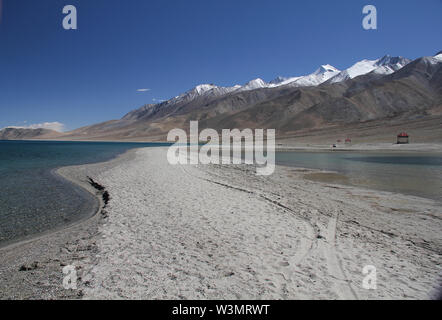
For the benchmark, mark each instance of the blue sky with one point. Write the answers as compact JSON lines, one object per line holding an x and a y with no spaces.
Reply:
{"x":89,"y":75}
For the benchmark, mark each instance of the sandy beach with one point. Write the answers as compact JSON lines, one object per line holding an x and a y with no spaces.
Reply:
{"x":221,"y":232}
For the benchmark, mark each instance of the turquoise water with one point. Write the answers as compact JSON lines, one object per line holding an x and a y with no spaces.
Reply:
{"x":34,"y":200}
{"x":408,"y":173}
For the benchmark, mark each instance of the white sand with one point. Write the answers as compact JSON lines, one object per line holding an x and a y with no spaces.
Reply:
{"x":220,"y":232}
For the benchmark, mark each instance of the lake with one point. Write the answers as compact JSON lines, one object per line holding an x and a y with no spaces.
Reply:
{"x":416,"y":174}
{"x":33,"y":199}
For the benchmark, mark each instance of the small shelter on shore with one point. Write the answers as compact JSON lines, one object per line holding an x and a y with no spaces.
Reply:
{"x":347,"y":141}
{"x":403,"y":138}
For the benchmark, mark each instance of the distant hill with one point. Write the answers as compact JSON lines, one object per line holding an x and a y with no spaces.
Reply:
{"x":25,"y":134}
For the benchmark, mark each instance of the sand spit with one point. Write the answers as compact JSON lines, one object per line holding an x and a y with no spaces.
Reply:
{"x":221,"y":232}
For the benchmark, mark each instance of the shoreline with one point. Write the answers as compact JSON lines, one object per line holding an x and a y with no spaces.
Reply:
{"x":70,"y":177}
{"x":314,"y":149}
{"x":96,"y":209}
{"x":221,"y":232}
{"x":342,"y":179}
{"x":100,"y":248}
{"x":55,"y":248}
{"x":423,"y":147}
{"x":432,"y":148}
{"x":74,"y":179}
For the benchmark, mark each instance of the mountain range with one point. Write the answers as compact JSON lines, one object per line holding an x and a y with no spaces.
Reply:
{"x":386,"y":94}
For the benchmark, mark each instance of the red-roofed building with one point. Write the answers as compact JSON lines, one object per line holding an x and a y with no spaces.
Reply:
{"x":347,"y":141}
{"x":402,"y":138}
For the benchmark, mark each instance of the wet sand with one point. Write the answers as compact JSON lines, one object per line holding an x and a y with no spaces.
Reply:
{"x":327,"y":177}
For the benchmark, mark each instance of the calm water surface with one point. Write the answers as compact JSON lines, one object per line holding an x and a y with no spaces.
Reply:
{"x":411,"y":173}
{"x":32,"y":198}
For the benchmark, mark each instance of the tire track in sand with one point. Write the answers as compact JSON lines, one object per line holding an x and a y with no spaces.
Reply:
{"x":341,"y":284}
{"x":305,"y":242}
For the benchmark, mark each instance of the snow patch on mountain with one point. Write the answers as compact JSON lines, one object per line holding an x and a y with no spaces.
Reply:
{"x":278,"y":80}
{"x":385,"y":65}
{"x":321,"y":75}
{"x":206,"y":90}
{"x":359,"y":68}
{"x":254,"y":84}
{"x":438,"y":57}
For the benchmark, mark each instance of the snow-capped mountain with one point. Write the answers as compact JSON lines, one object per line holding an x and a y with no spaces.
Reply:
{"x":292,"y":109}
{"x":385,"y":65}
{"x":321,"y":75}
{"x":254,"y":84}
{"x":209,"y":90}
{"x":278,"y":80}
{"x":437,"y":58}
{"x":388,"y":64}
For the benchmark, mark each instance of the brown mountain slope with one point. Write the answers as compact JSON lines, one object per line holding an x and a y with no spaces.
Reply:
{"x":413,"y":93}
{"x":24,"y":134}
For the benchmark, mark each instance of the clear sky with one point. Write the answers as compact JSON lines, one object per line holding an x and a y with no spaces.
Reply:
{"x":89,"y":75}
